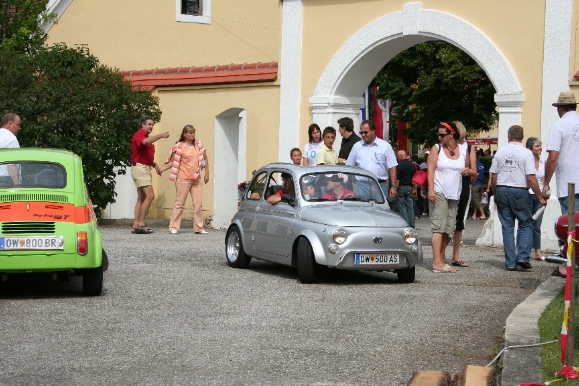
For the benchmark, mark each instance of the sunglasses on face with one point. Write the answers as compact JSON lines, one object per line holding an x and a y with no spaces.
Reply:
{"x":442,"y":135}
{"x":364,"y":132}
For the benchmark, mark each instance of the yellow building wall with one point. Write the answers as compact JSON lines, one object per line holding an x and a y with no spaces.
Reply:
{"x":144,"y":34}
{"x":328,"y":24}
{"x":199,"y":107}
{"x":574,"y":65}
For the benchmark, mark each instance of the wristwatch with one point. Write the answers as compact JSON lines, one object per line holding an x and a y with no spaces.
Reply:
{"x":395,"y":186}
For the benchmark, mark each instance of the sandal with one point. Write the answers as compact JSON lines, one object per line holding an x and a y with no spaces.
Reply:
{"x":459,"y":264}
{"x":143,"y":230}
{"x":446,"y":269}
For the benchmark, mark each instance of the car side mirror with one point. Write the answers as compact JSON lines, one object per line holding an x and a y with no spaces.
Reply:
{"x":287,"y":199}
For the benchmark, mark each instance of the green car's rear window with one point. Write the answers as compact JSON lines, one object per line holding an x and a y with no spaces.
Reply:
{"x":34,"y":174}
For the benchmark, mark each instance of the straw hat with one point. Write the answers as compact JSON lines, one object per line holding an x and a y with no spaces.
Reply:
{"x":566,"y":98}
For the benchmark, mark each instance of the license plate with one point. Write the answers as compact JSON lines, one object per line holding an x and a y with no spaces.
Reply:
{"x":372,"y":258}
{"x":31,"y":243}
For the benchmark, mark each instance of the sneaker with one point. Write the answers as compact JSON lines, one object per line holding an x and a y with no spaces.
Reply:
{"x":511,"y":269}
{"x":173,"y":231}
{"x":201,"y":233}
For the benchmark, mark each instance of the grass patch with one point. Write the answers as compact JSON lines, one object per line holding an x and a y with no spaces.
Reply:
{"x":550,"y":329}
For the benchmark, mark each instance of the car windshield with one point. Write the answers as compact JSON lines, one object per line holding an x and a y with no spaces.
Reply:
{"x":32,"y":174}
{"x":316,"y":187}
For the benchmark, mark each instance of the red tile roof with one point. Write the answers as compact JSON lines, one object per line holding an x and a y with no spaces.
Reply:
{"x":188,"y":76}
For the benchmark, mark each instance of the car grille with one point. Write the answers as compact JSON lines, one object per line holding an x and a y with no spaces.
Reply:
{"x":36,"y":227}
{"x":33,"y":197}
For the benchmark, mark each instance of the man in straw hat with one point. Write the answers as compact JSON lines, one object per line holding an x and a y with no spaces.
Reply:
{"x":563,"y":147}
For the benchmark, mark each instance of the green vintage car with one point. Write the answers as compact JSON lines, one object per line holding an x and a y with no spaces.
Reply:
{"x":47,"y":221}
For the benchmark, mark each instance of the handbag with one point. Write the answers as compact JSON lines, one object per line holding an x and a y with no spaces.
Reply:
{"x":420,"y":178}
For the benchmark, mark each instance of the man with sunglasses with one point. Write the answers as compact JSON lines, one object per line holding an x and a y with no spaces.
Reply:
{"x":376,"y":156}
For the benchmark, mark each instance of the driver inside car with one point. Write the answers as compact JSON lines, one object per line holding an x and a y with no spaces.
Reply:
{"x":335,"y":189}
{"x":288,"y":188}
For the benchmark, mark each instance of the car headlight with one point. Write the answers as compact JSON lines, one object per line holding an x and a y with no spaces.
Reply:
{"x":410,"y":236}
{"x":340,"y":236}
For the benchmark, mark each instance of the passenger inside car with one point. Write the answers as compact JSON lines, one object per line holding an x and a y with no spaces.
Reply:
{"x":336,"y":189}
{"x":288,"y":188}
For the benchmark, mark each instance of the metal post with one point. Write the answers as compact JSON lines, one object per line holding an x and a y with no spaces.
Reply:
{"x":571,"y":277}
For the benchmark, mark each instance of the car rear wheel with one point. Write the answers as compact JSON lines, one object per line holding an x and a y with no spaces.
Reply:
{"x":306,"y":262}
{"x":105,"y":261}
{"x":234,"y":251}
{"x":406,"y":275}
{"x":92,"y":281}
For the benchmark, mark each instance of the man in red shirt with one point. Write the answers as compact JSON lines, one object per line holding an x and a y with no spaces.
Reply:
{"x":142,"y":160}
{"x":335,"y":189}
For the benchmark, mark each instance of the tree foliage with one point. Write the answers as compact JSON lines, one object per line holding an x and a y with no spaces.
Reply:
{"x":20,"y":29}
{"x":433,"y":82}
{"x":67,"y":99}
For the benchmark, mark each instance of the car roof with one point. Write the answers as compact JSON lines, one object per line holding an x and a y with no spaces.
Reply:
{"x":37,"y":154}
{"x":298,"y":171}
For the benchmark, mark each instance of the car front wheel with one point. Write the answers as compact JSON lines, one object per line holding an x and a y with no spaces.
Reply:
{"x":234,"y":251}
{"x":306,"y":262}
{"x":406,"y":275}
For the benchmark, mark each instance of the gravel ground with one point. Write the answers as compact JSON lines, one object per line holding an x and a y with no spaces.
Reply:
{"x":173,"y":312}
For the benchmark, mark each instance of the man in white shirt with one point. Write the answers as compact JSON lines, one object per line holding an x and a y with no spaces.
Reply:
{"x":563,"y":147}
{"x":512,"y":173}
{"x":9,"y":127}
{"x":376,"y":156}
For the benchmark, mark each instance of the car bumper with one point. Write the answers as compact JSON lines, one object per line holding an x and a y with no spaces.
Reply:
{"x":16,"y":263}
{"x":392,"y":243}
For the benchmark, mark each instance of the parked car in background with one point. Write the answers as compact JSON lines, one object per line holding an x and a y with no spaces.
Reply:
{"x":333,"y":216}
{"x":47,"y":223}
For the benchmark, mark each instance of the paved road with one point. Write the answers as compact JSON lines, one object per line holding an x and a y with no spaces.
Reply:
{"x":173,"y":312}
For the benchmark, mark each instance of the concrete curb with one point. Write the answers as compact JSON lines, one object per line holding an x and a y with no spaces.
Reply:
{"x":523,"y":365}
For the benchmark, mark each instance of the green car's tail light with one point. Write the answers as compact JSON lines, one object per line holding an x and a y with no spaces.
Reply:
{"x":81,"y":243}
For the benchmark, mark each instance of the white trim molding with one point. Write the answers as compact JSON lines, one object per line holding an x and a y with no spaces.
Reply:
{"x":204,"y":18}
{"x":290,"y":77}
{"x":556,"y":57}
{"x":56,"y":7}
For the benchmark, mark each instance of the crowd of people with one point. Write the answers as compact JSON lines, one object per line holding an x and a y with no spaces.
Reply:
{"x":518,"y":178}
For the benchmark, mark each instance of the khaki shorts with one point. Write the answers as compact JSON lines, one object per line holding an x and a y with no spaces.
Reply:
{"x":443,"y":215}
{"x":142,"y":175}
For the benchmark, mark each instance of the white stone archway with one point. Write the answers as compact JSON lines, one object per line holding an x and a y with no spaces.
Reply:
{"x":230,"y":163}
{"x":361,"y":57}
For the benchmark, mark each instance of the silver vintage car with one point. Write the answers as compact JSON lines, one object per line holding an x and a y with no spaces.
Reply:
{"x":334,"y":216}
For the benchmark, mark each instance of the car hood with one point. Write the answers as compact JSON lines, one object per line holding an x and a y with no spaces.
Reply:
{"x":352,"y":215}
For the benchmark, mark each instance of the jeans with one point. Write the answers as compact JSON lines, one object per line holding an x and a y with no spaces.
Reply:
{"x":564,"y":206}
{"x":406,"y":204}
{"x":367,"y":190}
{"x":534,"y":205}
{"x":513,"y":203}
